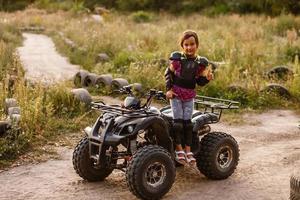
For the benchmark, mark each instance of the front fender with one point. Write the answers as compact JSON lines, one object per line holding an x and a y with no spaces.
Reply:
{"x":160,"y":129}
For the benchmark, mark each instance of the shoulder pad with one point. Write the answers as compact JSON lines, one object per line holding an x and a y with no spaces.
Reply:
{"x":202,"y":61}
{"x":176,"y":55}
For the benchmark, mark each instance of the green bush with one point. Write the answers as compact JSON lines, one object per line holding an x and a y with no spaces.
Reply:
{"x":292,"y":52}
{"x":122,"y":59}
{"x":53,"y":5}
{"x":217,"y":10}
{"x":141,"y":17}
{"x":13,"y":144}
{"x":63,"y":102}
{"x":286,"y":22}
{"x":11,"y":5}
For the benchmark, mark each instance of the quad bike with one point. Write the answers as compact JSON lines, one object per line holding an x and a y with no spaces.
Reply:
{"x":138,"y":140}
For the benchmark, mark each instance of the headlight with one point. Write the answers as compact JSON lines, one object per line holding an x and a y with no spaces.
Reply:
{"x":130,"y":129}
{"x":88,"y":130}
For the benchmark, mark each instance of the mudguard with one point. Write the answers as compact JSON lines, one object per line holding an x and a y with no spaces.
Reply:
{"x":200,"y":120}
{"x":160,"y":128}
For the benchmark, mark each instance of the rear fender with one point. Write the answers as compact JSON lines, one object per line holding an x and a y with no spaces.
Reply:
{"x":206,"y":118}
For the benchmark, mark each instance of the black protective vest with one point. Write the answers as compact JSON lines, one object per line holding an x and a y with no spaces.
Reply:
{"x":188,"y":72}
{"x":189,"y":68}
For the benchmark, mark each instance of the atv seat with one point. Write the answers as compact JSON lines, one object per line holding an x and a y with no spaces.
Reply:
{"x":167,"y":113}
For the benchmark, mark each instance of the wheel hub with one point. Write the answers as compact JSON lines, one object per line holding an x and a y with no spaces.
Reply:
{"x":225,"y":157}
{"x":155,"y":174}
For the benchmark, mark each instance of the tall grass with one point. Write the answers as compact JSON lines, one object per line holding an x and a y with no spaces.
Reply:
{"x":248,"y":45}
{"x":46,"y":112}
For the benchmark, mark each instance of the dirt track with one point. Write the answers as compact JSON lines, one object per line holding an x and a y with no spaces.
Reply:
{"x":42,"y":62}
{"x":270,"y":151}
{"x":269,"y":144}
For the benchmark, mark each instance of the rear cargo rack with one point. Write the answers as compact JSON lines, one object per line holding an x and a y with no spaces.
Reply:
{"x":214,"y":105}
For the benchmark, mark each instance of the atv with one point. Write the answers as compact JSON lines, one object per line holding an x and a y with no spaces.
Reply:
{"x":137,"y":139}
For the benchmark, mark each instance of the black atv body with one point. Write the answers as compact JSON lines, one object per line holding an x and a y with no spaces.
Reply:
{"x":138,"y":140}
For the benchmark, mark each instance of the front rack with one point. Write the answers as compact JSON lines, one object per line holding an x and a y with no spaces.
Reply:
{"x":214,"y":105}
{"x":118,"y":110}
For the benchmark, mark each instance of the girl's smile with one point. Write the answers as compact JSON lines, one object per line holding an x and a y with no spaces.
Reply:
{"x":190,"y":47}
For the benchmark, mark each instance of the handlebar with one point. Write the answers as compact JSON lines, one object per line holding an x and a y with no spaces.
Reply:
{"x":125,"y":90}
{"x":153,"y":93}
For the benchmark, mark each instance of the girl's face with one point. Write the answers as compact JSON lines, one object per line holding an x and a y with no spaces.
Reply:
{"x":189,"y":46}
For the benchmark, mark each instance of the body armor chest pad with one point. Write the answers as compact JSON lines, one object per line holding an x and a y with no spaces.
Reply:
{"x":189,"y":68}
{"x":188,"y":72}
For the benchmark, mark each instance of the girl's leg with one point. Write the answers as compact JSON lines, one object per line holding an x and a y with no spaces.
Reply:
{"x":176,"y":106}
{"x":188,"y":108}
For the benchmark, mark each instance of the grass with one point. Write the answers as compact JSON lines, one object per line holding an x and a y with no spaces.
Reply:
{"x":248,"y":45}
{"x":48,"y":114}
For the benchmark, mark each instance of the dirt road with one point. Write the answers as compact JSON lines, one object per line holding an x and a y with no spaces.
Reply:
{"x":270,"y":151}
{"x":42,"y":62}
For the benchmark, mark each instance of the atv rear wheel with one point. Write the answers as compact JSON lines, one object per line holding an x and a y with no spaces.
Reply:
{"x":84,"y":165}
{"x":218,"y":156}
{"x":151,"y":172}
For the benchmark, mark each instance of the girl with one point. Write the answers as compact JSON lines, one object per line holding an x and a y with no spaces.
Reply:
{"x":185,"y":71}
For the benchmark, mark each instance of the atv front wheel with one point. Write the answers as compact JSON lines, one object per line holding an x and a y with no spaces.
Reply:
{"x":218,"y":156}
{"x":151,"y":172}
{"x":295,"y":187}
{"x":84,"y":165}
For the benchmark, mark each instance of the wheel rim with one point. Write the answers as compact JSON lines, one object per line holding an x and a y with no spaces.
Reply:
{"x":224,"y":157}
{"x":155,"y":174}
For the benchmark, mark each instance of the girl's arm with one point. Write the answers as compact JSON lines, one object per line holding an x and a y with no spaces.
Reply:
{"x":204,"y":72}
{"x":169,"y":78}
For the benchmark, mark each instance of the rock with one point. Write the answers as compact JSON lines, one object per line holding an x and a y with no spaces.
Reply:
{"x":14,"y":110}
{"x":15,"y":119}
{"x":10,"y":102}
{"x":32,"y":29}
{"x":103,"y":81}
{"x":280,"y":73}
{"x":233,"y":88}
{"x":70,"y":43}
{"x":11,"y":80}
{"x":137,"y":87}
{"x":80,"y":77}
{"x":101,"y":10}
{"x":102,"y":57}
{"x":82,"y":95}
{"x":117,"y":83}
{"x":97,"y":18}
{"x":277,"y":89}
{"x":90,"y":80}
{"x":61,"y":34}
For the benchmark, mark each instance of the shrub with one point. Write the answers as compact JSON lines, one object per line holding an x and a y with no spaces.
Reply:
{"x":141,"y":16}
{"x":63,"y":102}
{"x":286,"y":22}
{"x":122,"y":60}
{"x":292,"y":52}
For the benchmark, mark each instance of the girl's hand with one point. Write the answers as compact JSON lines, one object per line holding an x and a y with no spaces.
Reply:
{"x":209,"y":74}
{"x":170,"y":94}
